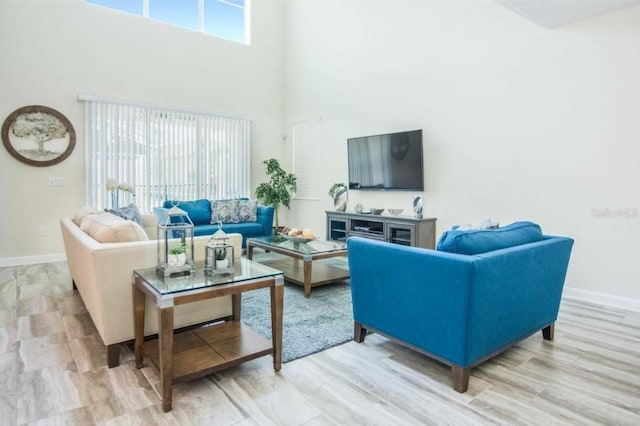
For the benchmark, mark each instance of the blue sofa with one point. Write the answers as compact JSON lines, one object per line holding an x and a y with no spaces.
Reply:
{"x":199,"y":212}
{"x":460,"y":309}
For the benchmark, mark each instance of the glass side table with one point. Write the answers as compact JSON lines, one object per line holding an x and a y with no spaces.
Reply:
{"x":204,"y":350}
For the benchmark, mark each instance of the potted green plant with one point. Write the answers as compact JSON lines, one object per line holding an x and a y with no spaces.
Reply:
{"x":278,"y":190}
{"x":177,"y":255}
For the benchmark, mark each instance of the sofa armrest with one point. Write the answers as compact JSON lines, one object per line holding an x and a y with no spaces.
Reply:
{"x":516,"y":292}
{"x":265,"y":218}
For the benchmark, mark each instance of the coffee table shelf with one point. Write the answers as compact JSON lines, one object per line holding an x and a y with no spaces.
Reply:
{"x":320,"y":274}
{"x":300,"y":268}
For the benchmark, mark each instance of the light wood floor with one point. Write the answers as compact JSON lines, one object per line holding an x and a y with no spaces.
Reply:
{"x":52,"y":372}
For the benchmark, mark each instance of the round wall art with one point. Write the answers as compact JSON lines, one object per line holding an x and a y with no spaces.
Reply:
{"x":38,"y":135}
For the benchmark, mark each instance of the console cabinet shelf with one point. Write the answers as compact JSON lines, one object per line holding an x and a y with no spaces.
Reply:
{"x":405,"y":230}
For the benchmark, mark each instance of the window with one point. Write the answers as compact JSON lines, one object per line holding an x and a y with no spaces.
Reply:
{"x":306,"y":151}
{"x":228,"y":19}
{"x":164,"y":154}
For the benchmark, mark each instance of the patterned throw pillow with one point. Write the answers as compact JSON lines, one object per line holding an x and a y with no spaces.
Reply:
{"x":248,"y":210}
{"x":224,"y":211}
{"x":129,"y":212}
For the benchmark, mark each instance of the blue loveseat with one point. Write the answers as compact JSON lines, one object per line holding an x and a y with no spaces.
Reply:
{"x":199,"y":212}
{"x":460,"y":309}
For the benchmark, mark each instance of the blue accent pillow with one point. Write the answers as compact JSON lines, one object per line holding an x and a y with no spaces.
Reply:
{"x":129,"y":212}
{"x":482,"y":241}
{"x":199,"y":210}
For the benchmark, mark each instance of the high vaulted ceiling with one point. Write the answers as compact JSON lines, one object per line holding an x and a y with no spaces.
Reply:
{"x":553,"y":13}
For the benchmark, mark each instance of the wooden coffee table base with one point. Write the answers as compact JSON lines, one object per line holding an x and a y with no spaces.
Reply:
{"x":307,"y":274}
{"x":300,"y":267}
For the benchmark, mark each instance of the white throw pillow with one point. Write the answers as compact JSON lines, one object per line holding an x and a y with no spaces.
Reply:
{"x":82,"y":212}
{"x":109,"y":228}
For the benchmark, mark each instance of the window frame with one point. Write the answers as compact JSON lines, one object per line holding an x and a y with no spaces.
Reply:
{"x":201,"y":17}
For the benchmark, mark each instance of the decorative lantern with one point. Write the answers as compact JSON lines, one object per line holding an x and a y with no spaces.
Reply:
{"x":175,"y":242}
{"x":219,"y":254}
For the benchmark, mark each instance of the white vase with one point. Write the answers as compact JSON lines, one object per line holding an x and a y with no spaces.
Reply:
{"x":175,"y":260}
{"x":222,"y":264}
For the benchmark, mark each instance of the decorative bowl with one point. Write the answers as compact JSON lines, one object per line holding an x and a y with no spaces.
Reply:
{"x":395,"y":212}
{"x":300,"y":239}
{"x":376,"y":211}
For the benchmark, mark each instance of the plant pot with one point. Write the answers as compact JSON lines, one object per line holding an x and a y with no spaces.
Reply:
{"x":222,"y":264}
{"x":175,"y":260}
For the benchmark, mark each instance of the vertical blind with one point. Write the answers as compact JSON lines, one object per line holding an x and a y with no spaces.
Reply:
{"x":164,"y":154}
{"x":306,"y":158}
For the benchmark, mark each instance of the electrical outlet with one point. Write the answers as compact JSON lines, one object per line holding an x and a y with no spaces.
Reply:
{"x":43,"y":231}
{"x":56,"y":181}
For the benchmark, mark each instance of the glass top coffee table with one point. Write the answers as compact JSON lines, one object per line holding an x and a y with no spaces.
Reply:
{"x":306,"y":273}
{"x":207,"y":349}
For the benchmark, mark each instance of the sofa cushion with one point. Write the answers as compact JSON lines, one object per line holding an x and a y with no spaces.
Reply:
{"x":225,"y":211}
{"x":482,"y":241}
{"x":247,"y":211}
{"x":199,"y":211}
{"x":82,"y":212}
{"x":109,"y":228}
{"x":129,"y":212}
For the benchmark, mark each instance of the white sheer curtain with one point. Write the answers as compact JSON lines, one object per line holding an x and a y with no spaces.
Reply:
{"x":163,"y":154}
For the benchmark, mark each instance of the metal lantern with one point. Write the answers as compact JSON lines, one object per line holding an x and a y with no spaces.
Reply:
{"x":219,"y":254}
{"x":175,"y":242}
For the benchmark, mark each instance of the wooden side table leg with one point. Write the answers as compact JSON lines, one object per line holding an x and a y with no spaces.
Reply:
{"x":236,"y":304}
{"x":138,"y":323}
{"x":165,"y":335}
{"x":307,"y":278}
{"x":249,"y":251}
{"x":277,"y":298}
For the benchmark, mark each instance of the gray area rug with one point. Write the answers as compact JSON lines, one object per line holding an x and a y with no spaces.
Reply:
{"x":309,"y":325}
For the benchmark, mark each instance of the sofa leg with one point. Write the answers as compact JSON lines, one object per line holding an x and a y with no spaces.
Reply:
{"x":547,"y":332}
{"x":113,"y":355}
{"x":359,"y":332}
{"x":460,"y":377}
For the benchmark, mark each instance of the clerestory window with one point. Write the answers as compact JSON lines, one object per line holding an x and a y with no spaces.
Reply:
{"x":228,"y":19}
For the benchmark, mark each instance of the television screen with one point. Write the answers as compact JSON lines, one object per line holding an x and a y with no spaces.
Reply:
{"x":386,"y":162}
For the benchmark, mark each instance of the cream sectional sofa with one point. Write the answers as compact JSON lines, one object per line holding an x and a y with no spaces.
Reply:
{"x":102,"y":252}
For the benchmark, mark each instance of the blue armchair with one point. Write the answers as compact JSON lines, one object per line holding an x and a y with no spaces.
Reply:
{"x":460,"y":309}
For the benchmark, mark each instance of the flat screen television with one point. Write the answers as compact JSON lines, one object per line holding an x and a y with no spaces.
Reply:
{"x":392,"y":161}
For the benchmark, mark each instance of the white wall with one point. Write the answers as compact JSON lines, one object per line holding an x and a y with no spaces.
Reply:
{"x":53,"y":51}
{"x":520,"y":122}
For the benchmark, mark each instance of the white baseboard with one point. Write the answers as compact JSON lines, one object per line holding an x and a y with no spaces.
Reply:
{"x":601,"y":299}
{"x":31,"y":260}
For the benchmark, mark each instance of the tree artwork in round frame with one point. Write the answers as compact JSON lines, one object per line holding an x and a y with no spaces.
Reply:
{"x":38,"y":135}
